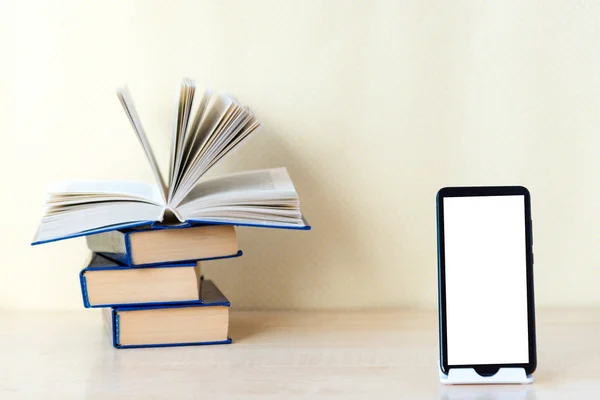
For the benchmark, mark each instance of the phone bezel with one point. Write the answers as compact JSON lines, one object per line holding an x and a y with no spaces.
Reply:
{"x":485,"y":369}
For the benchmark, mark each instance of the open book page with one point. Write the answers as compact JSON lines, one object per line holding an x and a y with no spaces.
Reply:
{"x":72,"y":208}
{"x":238,"y":130}
{"x":90,"y":217}
{"x":197,"y":113}
{"x":266,"y":197}
{"x":182,"y":117}
{"x":235,"y":125}
{"x":120,"y":189}
{"x":129,"y":107}
{"x":216,"y":110}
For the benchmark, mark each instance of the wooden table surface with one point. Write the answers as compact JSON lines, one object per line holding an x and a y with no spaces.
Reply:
{"x":391,"y":354}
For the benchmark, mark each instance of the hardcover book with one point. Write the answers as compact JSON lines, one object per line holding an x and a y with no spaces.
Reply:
{"x":207,"y":128}
{"x":175,"y":325}
{"x":137,"y":246}
{"x":105,"y":283}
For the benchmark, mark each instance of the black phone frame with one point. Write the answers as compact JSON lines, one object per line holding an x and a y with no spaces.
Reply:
{"x":485,"y":369}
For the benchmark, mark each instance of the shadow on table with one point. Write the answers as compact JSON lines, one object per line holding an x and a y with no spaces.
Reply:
{"x":243,"y":328}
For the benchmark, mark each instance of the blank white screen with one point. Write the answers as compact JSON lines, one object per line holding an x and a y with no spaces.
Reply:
{"x":486,"y":281}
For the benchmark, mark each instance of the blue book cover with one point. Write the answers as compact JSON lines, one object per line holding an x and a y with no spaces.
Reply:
{"x":105,"y":283}
{"x":196,"y":324}
{"x":180,"y":243}
{"x":158,"y":225}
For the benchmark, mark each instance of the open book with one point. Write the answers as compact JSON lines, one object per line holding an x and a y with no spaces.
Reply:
{"x":207,"y":128}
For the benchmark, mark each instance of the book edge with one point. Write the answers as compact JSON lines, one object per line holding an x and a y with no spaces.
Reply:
{"x":83,"y":285}
{"x":115,"y":327}
{"x":142,"y":346}
{"x":176,"y":305}
{"x":304,"y":227}
{"x":168,"y":263}
{"x":92,"y":232}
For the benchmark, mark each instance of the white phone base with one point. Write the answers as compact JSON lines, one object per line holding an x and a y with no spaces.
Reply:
{"x":468,"y":376}
{"x":487,"y":392}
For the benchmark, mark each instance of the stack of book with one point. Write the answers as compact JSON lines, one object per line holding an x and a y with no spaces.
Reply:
{"x":151,"y":285}
{"x":148,"y":241}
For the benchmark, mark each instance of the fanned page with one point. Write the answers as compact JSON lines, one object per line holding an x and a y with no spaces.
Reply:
{"x":192,"y":134}
{"x":218,"y":127}
{"x":264,"y":197}
{"x":78,"y":208}
{"x":184,"y":109}
{"x":130,"y":110}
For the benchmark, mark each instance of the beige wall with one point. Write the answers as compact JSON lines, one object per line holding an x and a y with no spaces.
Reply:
{"x":372,"y":106}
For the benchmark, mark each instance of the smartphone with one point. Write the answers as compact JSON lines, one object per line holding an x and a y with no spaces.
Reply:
{"x":485,"y":279}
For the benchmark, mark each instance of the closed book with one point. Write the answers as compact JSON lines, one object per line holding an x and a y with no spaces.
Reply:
{"x":104,"y":283}
{"x":166,"y":244}
{"x":173,"y":325}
